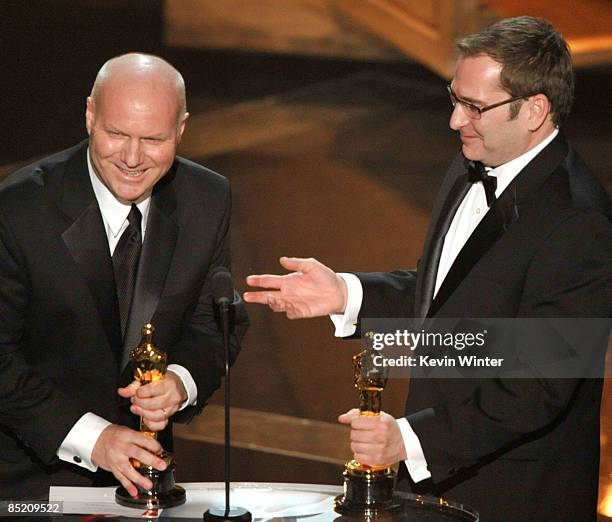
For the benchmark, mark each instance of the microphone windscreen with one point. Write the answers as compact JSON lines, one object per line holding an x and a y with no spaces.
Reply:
{"x":222,"y":285}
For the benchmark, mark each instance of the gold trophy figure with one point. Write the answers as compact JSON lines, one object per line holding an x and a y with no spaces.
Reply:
{"x":368,"y":490}
{"x":149,"y":366}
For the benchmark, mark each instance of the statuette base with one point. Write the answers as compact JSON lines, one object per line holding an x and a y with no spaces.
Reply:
{"x":367,"y":492}
{"x":164,"y":493}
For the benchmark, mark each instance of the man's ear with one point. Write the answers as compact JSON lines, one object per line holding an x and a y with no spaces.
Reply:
{"x":89,"y":115}
{"x":181,"y":127}
{"x":539,"y":110}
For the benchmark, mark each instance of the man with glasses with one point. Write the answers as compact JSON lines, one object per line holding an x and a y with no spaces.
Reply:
{"x":520,"y":228}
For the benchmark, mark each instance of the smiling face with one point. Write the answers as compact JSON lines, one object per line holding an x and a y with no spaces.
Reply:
{"x":493,"y":139}
{"x":135,"y":123}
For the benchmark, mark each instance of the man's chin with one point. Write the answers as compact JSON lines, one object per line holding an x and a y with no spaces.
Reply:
{"x":127,"y":197}
{"x":132,"y":190}
{"x":470,"y":153}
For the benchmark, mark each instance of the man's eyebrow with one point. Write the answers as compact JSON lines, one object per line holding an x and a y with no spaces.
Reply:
{"x":467,"y":98}
{"x":158,"y":136}
{"x":112,"y":128}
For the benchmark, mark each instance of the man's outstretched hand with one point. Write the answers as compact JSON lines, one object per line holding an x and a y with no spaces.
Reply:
{"x":310,"y":290}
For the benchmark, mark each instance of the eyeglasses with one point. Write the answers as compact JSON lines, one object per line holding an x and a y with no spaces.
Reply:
{"x":475,"y":112}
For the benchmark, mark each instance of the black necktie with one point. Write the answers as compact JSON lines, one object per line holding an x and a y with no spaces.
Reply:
{"x":477,"y":173}
{"x":125,"y":263}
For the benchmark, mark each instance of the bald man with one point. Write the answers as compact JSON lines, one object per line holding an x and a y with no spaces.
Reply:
{"x":74,"y":300}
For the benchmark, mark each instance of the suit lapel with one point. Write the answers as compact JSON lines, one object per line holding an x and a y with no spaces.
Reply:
{"x":157,"y":251}
{"x":504,"y":211}
{"x":431,"y":259}
{"x":452,"y":193}
{"x":86,"y":241}
{"x":483,"y":237}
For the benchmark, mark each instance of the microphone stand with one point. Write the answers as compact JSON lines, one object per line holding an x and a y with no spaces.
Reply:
{"x":229,"y":514}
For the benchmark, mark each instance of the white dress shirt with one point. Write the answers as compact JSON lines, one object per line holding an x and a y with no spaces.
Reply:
{"x":81,"y":439}
{"x":469,"y":214}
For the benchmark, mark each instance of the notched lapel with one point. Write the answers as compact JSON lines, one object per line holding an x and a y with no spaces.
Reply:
{"x":156,"y":256}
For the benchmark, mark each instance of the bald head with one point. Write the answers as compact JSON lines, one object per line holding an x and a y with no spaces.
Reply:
{"x":141,"y":71}
{"x":135,"y":118}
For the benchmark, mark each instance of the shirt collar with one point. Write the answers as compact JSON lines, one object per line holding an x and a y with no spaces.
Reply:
{"x":113,"y":211}
{"x":508,"y":171}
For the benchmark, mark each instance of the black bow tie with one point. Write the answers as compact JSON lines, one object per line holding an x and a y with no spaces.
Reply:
{"x":477,"y":173}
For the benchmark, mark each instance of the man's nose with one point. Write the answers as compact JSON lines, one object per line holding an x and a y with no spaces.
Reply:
{"x":458,"y":117}
{"x":132,"y":153}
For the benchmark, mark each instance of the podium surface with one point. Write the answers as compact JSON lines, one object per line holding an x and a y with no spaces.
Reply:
{"x":266,"y":501}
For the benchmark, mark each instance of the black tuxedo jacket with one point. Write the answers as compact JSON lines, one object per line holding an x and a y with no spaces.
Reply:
{"x":513,"y":449}
{"x":60,"y":341}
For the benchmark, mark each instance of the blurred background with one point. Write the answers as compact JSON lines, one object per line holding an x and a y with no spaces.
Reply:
{"x":330,"y":118}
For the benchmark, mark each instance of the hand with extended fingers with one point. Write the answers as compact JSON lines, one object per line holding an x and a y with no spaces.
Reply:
{"x":114,"y":448}
{"x":310,"y":290}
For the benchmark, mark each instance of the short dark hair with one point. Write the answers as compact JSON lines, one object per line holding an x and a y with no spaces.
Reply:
{"x":534,"y":57}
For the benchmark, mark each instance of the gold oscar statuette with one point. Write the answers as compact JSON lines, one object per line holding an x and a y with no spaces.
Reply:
{"x":368,"y":490}
{"x":149,"y":366}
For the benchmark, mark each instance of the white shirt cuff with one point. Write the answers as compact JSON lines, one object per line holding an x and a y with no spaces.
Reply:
{"x":188,"y":382}
{"x":415,"y":459}
{"x":81,"y":439}
{"x":346,"y":323}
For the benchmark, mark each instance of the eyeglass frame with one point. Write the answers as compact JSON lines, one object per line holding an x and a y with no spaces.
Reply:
{"x":473,"y":111}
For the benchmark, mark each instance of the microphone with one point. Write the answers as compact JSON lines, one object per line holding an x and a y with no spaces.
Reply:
{"x":223,"y":295}
{"x":222,"y":286}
